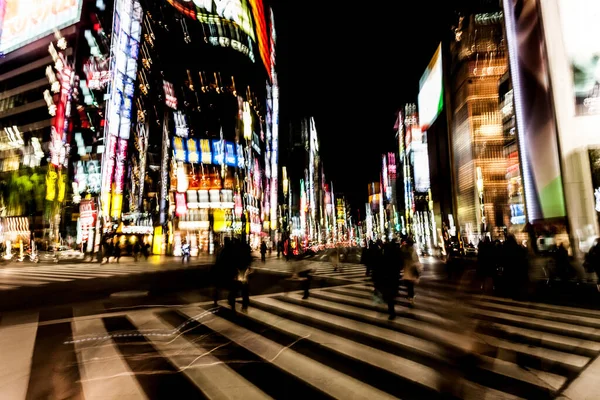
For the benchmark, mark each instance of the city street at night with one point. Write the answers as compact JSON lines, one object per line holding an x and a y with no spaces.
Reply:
{"x":268,"y":199}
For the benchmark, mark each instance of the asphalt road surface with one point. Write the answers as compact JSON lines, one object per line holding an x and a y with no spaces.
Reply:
{"x":162,"y":338}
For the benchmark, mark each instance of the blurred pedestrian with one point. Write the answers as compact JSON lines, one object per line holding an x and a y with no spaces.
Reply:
{"x":562,"y":262}
{"x":389,"y":275}
{"x":117,"y":251}
{"x":364,"y":259}
{"x":592,"y":261}
{"x":223,"y":270}
{"x":377,"y":275}
{"x":146,"y":250}
{"x":411,"y":272}
{"x":485,"y":262}
{"x":334,"y":257}
{"x":304,"y":272}
{"x":107,"y":250}
{"x":243,"y":261}
{"x":287,"y":250}
{"x":263,"y":251}
{"x":136,"y":251}
{"x":185,"y":252}
{"x":516,"y":267}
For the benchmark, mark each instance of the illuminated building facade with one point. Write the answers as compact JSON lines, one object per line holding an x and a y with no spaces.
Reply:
{"x":553,"y":57}
{"x":418,"y":219}
{"x":516,"y":195}
{"x":205,"y":135}
{"x":392,"y":221}
{"x":311,"y":198}
{"x":132,"y":135}
{"x":479,"y":61}
{"x":51,"y":120}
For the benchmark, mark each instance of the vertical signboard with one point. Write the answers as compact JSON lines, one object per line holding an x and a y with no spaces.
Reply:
{"x":275,"y":131}
{"x":536,"y":123}
{"x":165,"y":173}
{"x":124,"y":53}
{"x":119,"y":178}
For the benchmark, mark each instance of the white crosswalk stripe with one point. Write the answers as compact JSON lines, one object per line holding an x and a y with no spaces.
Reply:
{"x":104,"y":374}
{"x":214,"y":378}
{"x":44,"y":274}
{"x":338,"y":343}
{"x":324,"y":269}
{"x":17,"y":338}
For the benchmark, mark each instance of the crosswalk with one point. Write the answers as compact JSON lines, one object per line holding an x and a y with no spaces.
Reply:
{"x":37,"y":275}
{"x":324,"y":269}
{"x":336,"y":344}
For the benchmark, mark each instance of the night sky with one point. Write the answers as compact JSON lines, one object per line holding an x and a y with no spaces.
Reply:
{"x":352,"y":68}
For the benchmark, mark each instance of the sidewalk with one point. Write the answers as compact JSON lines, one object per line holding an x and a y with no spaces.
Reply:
{"x":153,"y":260}
{"x":29,"y":285}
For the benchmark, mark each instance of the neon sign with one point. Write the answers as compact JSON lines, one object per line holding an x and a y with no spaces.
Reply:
{"x":181,"y":128}
{"x":179,"y":152}
{"x":206,"y":155}
{"x":193,"y":155}
{"x":120,"y":167}
{"x":170,"y":98}
{"x":124,"y":53}
{"x":230,"y":154}
{"x":218,"y":152}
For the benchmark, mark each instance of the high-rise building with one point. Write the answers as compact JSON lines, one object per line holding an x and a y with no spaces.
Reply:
{"x":211,"y":97}
{"x":311,"y":199}
{"x":554,"y":65}
{"x":415,"y":162}
{"x":479,"y":59}
{"x":159,"y":118}
{"x":50,"y":119}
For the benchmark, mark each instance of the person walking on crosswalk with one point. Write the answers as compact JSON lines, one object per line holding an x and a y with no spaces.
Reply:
{"x":223,"y":271}
{"x":412,"y":268}
{"x":334,"y":257}
{"x":388,"y":276}
{"x":243,"y":259}
{"x":263,"y":251}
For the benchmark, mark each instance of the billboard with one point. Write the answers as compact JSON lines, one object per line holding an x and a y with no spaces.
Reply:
{"x":580,"y":28}
{"x":229,"y":22}
{"x":536,"y":121}
{"x":431,"y":91}
{"x":28,"y":20}
{"x":420,"y":161}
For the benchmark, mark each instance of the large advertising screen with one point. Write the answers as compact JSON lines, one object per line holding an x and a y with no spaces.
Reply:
{"x":211,"y":11}
{"x":229,"y":22}
{"x":431,"y":91}
{"x":28,"y":20}
{"x":536,"y":121}
{"x":581,"y":33}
